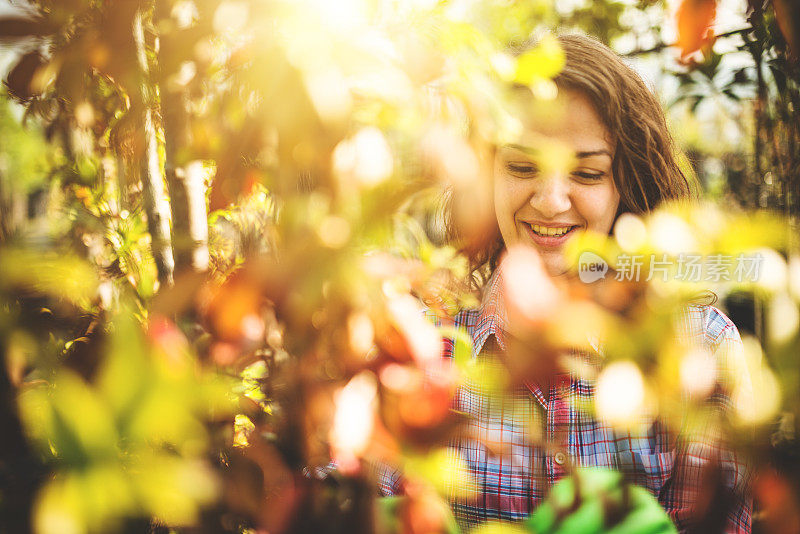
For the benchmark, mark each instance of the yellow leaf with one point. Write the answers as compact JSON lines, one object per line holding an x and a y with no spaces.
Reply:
{"x":62,"y":276}
{"x":173,"y":489}
{"x":58,"y":508}
{"x":71,"y":417}
{"x":496,"y":527}
{"x":445,"y":470}
{"x":122,"y":378}
{"x":543,"y":61}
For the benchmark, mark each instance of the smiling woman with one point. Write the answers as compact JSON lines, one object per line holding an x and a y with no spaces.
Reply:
{"x":544,"y":206}
{"x":606,"y":132}
{"x":600,"y":149}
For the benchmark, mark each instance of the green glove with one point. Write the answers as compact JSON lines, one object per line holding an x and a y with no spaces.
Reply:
{"x":600,"y":504}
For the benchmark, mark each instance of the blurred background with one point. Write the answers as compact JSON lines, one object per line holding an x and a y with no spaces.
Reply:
{"x":219,"y":220}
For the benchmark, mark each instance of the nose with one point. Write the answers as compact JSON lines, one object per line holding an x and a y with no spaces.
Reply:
{"x":551,"y":196}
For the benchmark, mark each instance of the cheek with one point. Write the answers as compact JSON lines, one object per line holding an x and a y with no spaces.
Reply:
{"x":598,"y":207}
{"x":502,"y":196}
{"x":509,"y":197}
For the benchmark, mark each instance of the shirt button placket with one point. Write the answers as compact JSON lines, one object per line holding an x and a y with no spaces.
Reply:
{"x":557,"y":433}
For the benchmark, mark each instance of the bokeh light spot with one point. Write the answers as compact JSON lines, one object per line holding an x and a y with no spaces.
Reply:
{"x":620,"y":394}
{"x":353,"y":419}
{"x":528,"y":289}
{"x":630,"y":232}
{"x":698,"y":372}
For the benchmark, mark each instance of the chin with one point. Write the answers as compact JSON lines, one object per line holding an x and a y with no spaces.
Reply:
{"x":555,"y":266}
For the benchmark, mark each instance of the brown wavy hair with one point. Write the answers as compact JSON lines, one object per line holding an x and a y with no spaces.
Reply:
{"x":645,"y":166}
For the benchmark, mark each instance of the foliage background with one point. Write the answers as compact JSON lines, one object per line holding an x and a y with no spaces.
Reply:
{"x":212,"y":211}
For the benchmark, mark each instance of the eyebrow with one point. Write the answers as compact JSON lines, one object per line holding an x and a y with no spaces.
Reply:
{"x":590,"y":153}
{"x":579,"y":155}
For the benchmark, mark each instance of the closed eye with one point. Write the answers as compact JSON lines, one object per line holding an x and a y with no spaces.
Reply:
{"x":522,"y":169}
{"x":591,"y":176}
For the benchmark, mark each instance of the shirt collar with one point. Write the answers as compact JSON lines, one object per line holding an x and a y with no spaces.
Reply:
{"x":492,"y":318}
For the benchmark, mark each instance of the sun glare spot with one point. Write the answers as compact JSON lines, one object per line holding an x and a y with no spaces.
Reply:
{"x":330,"y":94}
{"x":755,"y":409}
{"x":620,"y":395}
{"x":334,"y":231}
{"x":185,"y":13}
{"x":528,"y":288}
{"x":353,"y":420}
{"x":231,"y":17}
{"x":252,"y":327}
{"x":84,"y":114}
{"x":793,"y":272}
{"x":342,"y":16}
{"x":671,"y":234}
{"x":424,"y":340}
{"x":630,"y":232}
{"x":361,"y":333}
{"x":773,"y":272}
{"x":784,"y":319}
{"x":451,"y":156}
{"x":544,"y":89}
{"x":365,"y":157}
{"x":399,"y":377}
{"x":698,"y":373}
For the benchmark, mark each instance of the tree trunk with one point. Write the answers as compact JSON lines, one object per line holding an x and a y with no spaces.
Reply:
{"x":186,"y":183}
{"x":12,"y":208}
{"x":156,"y":205}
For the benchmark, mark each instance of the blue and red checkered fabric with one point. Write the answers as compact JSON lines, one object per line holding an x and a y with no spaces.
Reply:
{"x":518,"y":444}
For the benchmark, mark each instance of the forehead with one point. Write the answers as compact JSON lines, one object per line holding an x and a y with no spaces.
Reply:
{"x":570,"y":118}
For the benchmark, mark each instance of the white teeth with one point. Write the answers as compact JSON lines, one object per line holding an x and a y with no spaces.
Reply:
{"x":549,"y":231}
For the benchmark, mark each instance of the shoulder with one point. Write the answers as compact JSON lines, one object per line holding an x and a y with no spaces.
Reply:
{"x":456,"y":329}
{"x":465,"y":319}
{"x":710,"y":328}
{"x":707,"y":325}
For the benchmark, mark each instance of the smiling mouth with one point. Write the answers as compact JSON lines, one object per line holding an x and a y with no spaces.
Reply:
{"x":547,"y":231}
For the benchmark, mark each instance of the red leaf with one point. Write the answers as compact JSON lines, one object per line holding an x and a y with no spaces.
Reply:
{"x":695,"y":18}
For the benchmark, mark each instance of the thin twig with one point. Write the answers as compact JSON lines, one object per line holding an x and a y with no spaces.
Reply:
{"x":662,"y":46}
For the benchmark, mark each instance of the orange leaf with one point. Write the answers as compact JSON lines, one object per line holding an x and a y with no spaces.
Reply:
{"x":787,"y":14}
{"x":695,"y":18}
{"x":776,"y":500}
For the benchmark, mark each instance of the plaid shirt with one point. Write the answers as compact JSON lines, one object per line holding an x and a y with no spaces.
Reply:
{"x":512,"y":475}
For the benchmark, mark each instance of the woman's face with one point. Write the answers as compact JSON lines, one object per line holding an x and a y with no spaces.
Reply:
{"x":558,"y":182}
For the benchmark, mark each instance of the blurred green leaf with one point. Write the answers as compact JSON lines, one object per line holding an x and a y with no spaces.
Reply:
{"x":63,"y":276}
{"x":593,"y":501}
